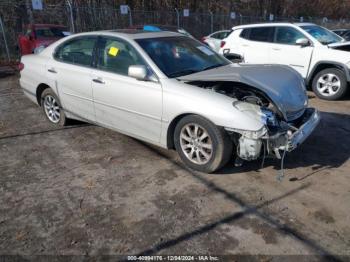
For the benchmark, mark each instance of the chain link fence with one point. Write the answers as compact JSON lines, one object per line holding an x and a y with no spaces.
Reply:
{"x":82,"y":18}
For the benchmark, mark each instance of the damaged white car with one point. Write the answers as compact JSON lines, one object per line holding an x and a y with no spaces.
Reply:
{"x":171,"y":91}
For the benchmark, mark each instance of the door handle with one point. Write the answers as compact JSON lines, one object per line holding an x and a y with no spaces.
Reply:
{"x":276,"y":49}
{"x":52,"y":70}
{"x":245,"y":45}
{"x":98,"y":80}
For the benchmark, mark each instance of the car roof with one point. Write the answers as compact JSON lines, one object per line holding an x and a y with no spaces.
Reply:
{"x":270,"y":24}
{"x":133,"y":33}
{"x":172,"y":28}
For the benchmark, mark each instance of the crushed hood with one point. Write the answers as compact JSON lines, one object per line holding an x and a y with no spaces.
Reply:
{"x":283,"y":85}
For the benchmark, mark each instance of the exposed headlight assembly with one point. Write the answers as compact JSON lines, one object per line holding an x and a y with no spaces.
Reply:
{"x":268,"y":117}
{"x":249,"y":134}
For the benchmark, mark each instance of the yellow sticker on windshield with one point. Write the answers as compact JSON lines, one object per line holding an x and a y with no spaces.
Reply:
{"x":113,"y":51}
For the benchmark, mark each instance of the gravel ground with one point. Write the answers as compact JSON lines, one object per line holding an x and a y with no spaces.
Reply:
{"x":86,"y":190}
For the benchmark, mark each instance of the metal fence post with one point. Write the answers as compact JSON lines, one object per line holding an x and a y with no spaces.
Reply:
{"x":71,"y":16}
{"x":5,"y":41}
{"x":130,"y":16}
{"x":177,"y":17}
{"x":211,"y":22}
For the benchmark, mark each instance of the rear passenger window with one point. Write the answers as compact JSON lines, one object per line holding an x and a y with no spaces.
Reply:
{"x":262,"y":34}
{"x":288,"y":35}
{"x":245,"y":33}
{"x":77,"y":51}
{"x":222,"y":35}
{"x":216,"y":36}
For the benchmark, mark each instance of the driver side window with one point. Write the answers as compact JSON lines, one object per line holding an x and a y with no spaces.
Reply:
{"x":116,"y":56}
{"x":287,"y":35}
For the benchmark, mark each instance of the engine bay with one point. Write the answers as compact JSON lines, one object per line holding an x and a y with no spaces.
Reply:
{"x":248,"y":147}
{"x":239,"y":91}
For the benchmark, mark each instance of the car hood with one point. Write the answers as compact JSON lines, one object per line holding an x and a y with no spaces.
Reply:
{"x":282,"y":84}
{"x":346,"y":43}
{"x":343,"y":46}
{"x":47,"y":41}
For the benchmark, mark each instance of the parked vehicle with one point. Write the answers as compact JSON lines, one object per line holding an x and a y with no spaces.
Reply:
{"x":319,"y":55}
{"x":341,"y":32}
{"x":214,"y":40}
{"x":346,"y":36}
{"x":40,"y":35}
{"x":158,"y":28}
{"x":172,"y":91}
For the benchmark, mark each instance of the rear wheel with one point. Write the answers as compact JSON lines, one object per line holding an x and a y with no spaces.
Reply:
{"x":202,"y":145}
{"x":52,"y":107}
{"x":330,"y":84}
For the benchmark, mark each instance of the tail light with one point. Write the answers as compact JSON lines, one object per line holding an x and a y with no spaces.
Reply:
{"x":20,"y":66}
{"x":222,"y":44}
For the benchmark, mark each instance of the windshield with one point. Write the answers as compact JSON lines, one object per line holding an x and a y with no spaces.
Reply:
{"x":49,"y":32}
{"x":323,"y":35}
{"x":179,"y":56}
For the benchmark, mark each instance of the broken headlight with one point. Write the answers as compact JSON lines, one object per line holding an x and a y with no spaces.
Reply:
{"x":268,"y":117}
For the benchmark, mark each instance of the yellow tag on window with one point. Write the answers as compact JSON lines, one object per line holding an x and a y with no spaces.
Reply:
{"x":113,"y":51}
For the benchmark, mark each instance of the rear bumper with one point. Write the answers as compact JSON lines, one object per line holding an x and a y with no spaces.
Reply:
{"x":310,"y":121}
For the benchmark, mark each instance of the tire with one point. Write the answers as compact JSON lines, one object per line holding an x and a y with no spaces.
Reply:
{"x":203,"y":159}
{"x":49,"y":101}
{"x":330,"y":84}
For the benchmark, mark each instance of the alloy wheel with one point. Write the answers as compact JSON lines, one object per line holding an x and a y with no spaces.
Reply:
{"x":196,"y":143}
{"x":52,"y":109}
{"x":328,"y":84}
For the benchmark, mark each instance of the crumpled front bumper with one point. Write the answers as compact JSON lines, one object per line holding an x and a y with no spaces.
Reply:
{"x":288,"y":137}
{"x":310,"y":121}
{"x":294,"y":134}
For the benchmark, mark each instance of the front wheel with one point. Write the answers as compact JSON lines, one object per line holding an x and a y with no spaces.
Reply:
{"x":202,"y":145}
{"x":330,"y":84}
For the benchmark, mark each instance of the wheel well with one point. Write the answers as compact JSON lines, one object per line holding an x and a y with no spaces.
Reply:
{"x":171,"y":130}
{"x":321,"y":67}
{"x":40,"y":89}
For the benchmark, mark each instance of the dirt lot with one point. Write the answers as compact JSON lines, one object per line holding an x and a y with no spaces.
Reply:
{"x":86,"y":190}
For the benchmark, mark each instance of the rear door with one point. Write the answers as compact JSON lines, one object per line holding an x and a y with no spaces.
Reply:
{"x":285,"y":51}
{"x":255,"y":44}
{"x":69,"y":74}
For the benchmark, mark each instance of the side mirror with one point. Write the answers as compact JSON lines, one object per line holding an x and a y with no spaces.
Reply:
{"x":138,"y":71}
{"x":302,"y":42}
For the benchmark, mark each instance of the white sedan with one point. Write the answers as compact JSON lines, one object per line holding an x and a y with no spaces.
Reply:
{"x":214,"y":40}
{"x":171,"y":91}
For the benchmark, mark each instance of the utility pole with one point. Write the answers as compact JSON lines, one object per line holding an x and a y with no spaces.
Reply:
{"x":29,"y":12}
{"x":71,"y":16}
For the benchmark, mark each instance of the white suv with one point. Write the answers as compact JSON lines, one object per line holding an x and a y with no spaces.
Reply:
{"x":319,"y":55}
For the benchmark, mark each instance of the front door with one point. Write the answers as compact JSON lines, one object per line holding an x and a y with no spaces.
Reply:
{"x":285,"y":51}
{"x":124,"y":103}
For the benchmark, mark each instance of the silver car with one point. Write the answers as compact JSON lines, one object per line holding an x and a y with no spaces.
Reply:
{"x":172,"y":91}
